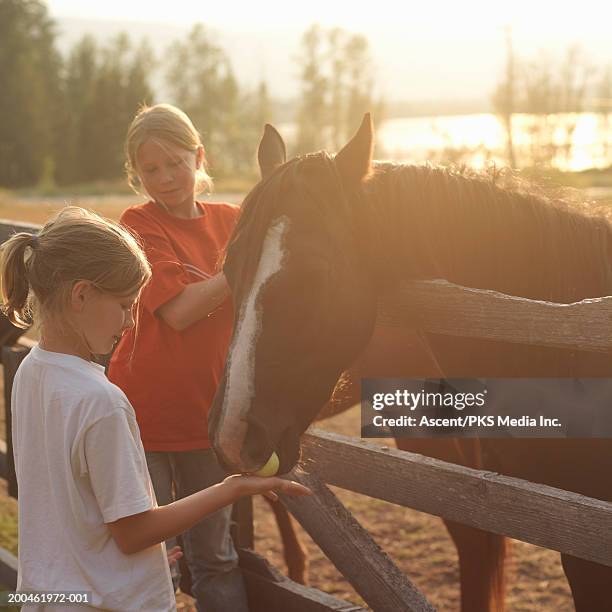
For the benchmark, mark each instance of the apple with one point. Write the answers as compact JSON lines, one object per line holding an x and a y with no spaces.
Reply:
{"x":271,"y":467}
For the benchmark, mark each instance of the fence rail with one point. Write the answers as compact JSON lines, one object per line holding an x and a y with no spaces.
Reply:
{"x":535,"y":513}
{"x":441,"y":307}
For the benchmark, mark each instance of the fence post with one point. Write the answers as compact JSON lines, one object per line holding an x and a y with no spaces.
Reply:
{"x":12,"y":356}
{"x":352,"y":550}
{"x":242,"y":523}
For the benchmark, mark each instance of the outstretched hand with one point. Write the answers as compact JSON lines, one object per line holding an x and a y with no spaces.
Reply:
{"x":252,"y":485}
{"x":174,"y":555}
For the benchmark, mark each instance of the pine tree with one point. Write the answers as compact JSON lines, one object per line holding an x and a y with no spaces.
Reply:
{"x":337,"y":83}
{"x":29,"y":72}
{"x":103,"y":89}
{"x":312,"y":114}
{"x":79,"y":88}
{"x":360,"y":82}
{"x":202,"y":83}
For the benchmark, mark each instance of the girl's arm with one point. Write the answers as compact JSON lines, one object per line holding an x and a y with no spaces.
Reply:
{"x":195,"y":302}
{"x":139,"y":531}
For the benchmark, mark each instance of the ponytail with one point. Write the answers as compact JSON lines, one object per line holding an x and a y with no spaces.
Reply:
{"x":38,"y":271}
{"x":14,"y":276}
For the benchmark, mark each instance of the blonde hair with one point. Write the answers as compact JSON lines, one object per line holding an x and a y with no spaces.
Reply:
{"x":38,"y":271}
{"x":165,"y":123}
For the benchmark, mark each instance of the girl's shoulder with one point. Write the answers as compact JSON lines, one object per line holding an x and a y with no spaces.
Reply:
{"x":71,"y":381}
{"x":221,"y":215}
{"x":143,"y":218}
{"x":143,"y":211}
{"x":220,"y":209}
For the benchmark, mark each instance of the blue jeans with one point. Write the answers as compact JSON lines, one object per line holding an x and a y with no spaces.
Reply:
{"x":217,"y":582}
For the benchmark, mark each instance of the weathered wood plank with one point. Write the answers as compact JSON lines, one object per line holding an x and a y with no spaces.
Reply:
{"x":441,"y":307}
{"x":8,"y":569}
{"x":535,"y":513}
{"x":242,"y":527}
{"x":352,"y":550}
{"x":268,"y":589}
{"x":3,"y":466}
{"x":12,"y":356}
{"x":9,"y":333}
{"x":9,"y":227}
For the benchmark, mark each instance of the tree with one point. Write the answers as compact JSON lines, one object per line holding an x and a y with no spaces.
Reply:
{"x":79,"y":88}
{"x":103,"y":88}
{"x":337,"y":86}
{"x":504,"y":98}
{"x":604,"y":103}
{"x":554,"y":95}
{"x":263,"y":106}
{"x":575,"y":77}
{"x":254,"y":112}
{"x":360,"y":82}
{"x":551,"y":94}
{"x":202,"y":82}
{"x":29,"y":72}
{"x":121,"y":86}
{"x":312,"y":116}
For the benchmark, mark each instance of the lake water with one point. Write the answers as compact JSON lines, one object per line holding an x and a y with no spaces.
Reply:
{"x":572,"y":141}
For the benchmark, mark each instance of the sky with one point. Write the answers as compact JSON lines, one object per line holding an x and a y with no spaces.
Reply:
{"x":544,"y":18}
{"x":439,"y":49}
{"x":469,"y":15}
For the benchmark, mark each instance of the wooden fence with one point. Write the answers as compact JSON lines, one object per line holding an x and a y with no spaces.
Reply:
{"x":549,"y":517}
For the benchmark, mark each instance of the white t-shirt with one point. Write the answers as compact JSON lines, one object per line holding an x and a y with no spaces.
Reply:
{"x":80,"y":464}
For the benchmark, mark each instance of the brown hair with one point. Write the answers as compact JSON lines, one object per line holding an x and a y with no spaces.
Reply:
{"x":165,"y":123}
{"x":38,"y":270}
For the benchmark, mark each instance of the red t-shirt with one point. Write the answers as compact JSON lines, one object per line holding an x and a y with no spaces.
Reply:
{"x":169,"y":376}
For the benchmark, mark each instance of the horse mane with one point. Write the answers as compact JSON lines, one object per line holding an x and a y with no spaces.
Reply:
{"x":489,"y":229}
{"x":486,"y":229}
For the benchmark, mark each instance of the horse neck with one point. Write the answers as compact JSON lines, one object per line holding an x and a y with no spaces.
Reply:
{"x":428,"y":222}
{"x":404,"y":225}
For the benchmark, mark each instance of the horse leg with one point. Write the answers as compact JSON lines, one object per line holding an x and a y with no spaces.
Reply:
{"x":481,"y":554}
{"x":590,"y":584}
{"x":481,"y":567}
{"x":293,"y":549}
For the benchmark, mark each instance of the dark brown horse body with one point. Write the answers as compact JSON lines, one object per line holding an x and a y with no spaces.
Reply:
{"x":321,"y":238}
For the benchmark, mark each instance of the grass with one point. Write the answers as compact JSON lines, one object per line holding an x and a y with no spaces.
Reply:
{"x":8,"y":520}
{"x":8,"y":523}
{"x":37,"y":208}
{"x":8,"y":608}
{"x":120,"y":187}
{"x":586,"y":179}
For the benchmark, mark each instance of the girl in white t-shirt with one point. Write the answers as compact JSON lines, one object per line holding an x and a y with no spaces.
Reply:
{"x":88,"y":520}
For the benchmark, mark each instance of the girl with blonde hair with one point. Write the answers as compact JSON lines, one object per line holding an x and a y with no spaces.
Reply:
{"x":88,"y":520}
{"x":170,"y":369}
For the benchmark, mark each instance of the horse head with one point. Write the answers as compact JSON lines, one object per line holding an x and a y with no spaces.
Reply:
{"x":303,"y":298}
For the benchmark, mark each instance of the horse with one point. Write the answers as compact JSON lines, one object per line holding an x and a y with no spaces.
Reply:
{"x":321,"y":237}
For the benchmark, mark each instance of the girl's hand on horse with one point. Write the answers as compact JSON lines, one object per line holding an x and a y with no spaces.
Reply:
{"x":252,"y":485}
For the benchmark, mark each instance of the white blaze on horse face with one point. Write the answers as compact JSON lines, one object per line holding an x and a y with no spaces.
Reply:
{"x":240,"y":383}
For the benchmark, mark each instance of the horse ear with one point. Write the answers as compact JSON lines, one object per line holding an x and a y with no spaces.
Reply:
{"x":354,"y":160}
{"x":271,"y":152}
